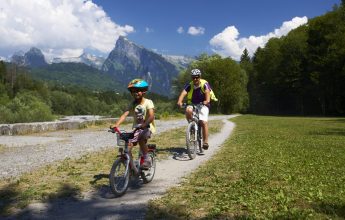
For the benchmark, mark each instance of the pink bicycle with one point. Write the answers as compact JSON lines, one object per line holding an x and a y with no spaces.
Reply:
{"x":125,"y":167}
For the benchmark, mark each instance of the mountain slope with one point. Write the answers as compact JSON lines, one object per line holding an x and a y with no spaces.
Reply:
{"x":128,"y":60}
{"x":76,"y":74}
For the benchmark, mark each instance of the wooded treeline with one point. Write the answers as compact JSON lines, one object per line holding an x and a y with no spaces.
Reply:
{"x":302,"y":73}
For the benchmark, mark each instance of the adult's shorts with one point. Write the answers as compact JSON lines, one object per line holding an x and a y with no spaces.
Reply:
{"x":203,"y":112}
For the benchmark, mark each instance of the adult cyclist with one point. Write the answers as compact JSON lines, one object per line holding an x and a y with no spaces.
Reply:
{"x":197,"y":91}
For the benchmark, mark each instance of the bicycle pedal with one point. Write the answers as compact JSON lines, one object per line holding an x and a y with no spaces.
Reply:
{"x":152,"y":146}
{"x":144,"y":168}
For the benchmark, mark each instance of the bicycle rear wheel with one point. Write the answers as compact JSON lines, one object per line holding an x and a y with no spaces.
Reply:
{"x":119,"y":177}
{"x":191,"y":140}
{"x":148,"y":174}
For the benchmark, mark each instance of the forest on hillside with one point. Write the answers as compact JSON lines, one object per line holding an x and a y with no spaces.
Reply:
{"x":302,"y":73}
{"x":23,"y":99}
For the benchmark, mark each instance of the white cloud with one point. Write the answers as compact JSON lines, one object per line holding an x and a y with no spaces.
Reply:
{"x":227,"y":42}
{"x":148,"y":30}
{"x":57,"y":27}
{"x":180,"y":30}
{"x":196,"y":30}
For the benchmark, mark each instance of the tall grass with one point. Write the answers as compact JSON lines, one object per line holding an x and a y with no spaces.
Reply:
{"x":270,"y":168}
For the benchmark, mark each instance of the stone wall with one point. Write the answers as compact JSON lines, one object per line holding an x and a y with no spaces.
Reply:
{"x":37,"y":127}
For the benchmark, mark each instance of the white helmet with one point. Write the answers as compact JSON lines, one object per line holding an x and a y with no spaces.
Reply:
{"x":195,"y":72}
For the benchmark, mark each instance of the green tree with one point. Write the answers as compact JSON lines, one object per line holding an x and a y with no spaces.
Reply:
{"x":62,"y":103}
{"x":265,"y":63}
{"x":247,"y":65}
{"x":2,"y":72}
{"x":326,"y":60}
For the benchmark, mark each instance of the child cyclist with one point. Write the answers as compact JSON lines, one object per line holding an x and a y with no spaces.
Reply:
{"x":142,"y":110}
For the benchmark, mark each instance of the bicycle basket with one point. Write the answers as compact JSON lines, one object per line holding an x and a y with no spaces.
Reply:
{"x":123,"y":137}
{"x":120,"y":142}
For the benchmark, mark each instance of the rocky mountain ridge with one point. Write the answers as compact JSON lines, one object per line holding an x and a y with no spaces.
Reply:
{"x":33,"y":58}
{"x":126,"y":61}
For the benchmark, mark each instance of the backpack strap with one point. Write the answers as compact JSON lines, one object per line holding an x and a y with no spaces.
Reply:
{"x":190,"y":93}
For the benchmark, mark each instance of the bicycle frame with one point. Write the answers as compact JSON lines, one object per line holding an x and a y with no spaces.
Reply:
{"x":196,"y":139}
{"x":125,"y":156}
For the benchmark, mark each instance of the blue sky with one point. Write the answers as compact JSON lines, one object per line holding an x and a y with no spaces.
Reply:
{"x":163,"y":17}
{"x":66,"y":28}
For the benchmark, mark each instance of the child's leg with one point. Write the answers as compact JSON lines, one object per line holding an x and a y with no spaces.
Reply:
{"x":144,"y":135}
{"x":130,"y":147}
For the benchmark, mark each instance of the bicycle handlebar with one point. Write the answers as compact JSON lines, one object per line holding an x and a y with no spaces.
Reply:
{"x":184,"y":105}
{"x":117,"y":130}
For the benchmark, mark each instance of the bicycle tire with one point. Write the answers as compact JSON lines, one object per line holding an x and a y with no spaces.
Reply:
{"x":147,"y":175}
{"x":200,"y":140}
{"x":191,"y":141}
{"x":119,"y":177}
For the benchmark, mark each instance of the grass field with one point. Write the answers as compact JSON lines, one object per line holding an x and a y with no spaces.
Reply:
{"x":270,"y":168}
{"x":72,"y":177}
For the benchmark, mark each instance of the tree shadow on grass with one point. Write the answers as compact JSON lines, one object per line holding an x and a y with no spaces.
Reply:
{"x":331,"y":132}
{"x":69,"y":203}
{"x":181,"y":211}
{"x":335,"y":120}
{"x":8,"y":196}
{"x":331,"y":210}
{"x":13,"y":200}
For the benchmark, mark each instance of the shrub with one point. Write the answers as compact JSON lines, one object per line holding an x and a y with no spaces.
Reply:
{"x":25,"y":107}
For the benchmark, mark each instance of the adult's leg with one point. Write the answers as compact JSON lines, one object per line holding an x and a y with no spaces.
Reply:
{"x":204,"y":126}
{"x":189,"y":113}
{"x":203,"y":116}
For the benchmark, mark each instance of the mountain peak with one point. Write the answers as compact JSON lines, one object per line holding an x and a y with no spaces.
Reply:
{"x":128,"y":61}
{"x":128,"y":48}
{"x":34,"y":58}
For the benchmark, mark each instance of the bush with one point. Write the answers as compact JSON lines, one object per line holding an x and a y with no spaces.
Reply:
{"x":62,"y":103}
{"x":25,"y":107}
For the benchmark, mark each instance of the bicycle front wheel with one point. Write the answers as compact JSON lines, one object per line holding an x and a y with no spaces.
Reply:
{"x":191,"y":140}
{"x":119,"y":177}
{"x":148,"y":174}
{"x":200,"y":140}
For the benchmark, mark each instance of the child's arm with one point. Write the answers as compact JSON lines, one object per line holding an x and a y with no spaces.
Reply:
{"x":121,"y":119}
{"x":149,"y":118}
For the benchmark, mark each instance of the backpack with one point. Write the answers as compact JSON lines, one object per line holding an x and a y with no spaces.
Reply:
{"x":202,"y":82}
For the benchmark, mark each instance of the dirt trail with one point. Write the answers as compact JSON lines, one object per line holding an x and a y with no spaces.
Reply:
{"x":133,"y":205}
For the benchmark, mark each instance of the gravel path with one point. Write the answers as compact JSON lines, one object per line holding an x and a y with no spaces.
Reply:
{"x":20,"y":154}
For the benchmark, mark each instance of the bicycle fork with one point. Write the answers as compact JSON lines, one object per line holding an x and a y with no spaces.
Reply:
{"x":195,"y":130}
